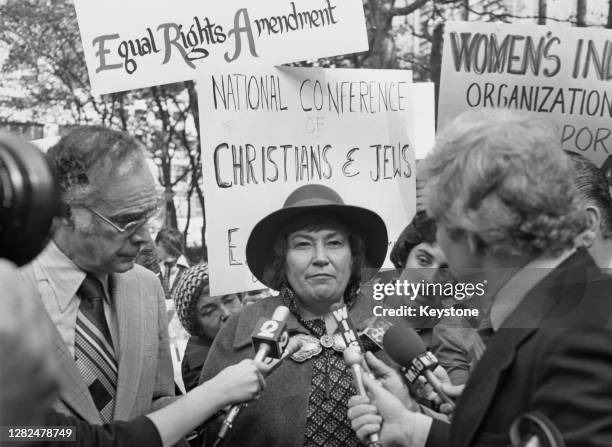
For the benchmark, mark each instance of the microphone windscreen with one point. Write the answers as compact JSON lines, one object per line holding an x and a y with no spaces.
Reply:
{"x":403,"y":344}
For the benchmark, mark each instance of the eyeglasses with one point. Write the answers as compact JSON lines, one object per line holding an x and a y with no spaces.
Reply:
{"x":132,"y":225}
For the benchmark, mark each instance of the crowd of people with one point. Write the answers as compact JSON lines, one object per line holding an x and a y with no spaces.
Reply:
{"x":505,"y":207}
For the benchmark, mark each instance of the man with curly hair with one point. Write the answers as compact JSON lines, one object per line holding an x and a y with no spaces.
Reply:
{"x":107,"y":316}
{"x":502,"y":193}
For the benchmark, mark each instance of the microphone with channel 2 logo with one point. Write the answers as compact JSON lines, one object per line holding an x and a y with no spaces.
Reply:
{"x":269,"y":340}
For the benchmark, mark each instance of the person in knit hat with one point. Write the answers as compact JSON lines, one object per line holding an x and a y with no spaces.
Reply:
{"x":202,"y":316}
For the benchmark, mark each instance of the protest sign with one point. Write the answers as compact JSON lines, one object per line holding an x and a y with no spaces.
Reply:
{"x":561,"y":72}
{"x":267,"y":131}
{"x":424,"y":118}
{"x":140,"y":43}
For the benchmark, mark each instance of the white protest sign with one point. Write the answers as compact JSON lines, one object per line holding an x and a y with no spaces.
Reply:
{"x":132,"y":44}
{"x":267,"y":131}
{"x":562,"y":72}
{"x":424,"y":118}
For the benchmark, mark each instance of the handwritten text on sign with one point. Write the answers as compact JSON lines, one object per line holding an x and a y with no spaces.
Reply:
{"x":140,"y":43}
{"x":562,"y":72}
{"x":268,"y":131}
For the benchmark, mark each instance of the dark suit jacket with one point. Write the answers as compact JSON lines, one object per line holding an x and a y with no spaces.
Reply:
{"x":553,"y":354}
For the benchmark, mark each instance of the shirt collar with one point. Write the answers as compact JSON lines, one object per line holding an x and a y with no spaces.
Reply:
{"x":62,"y":274}
{"x":182,"y":262}
{"x":516,"y":289}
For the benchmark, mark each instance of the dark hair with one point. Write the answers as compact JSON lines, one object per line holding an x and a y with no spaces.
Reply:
{"x":593,"y":188}
{"x":313,"y":221}
{"x":171,"y":240}
{"x":147,"y":257}
{"x":421,"y":229}
{"x":79,"y":155}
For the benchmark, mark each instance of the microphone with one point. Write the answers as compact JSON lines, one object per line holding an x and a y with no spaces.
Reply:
{"x":406,"y":348}
{"x":270,"y":336}
{"x":353,"y":359}
{"x":346,"y":326}
{"x":372,"y":331}
{"x":269,"y":340}
{"x":347,"y":330}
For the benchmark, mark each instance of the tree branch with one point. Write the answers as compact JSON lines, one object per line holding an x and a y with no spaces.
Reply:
{"x":408,"y":9}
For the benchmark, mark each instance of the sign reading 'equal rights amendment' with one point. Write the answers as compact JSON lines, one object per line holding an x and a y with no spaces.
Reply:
{"x":267,"y":131}
{"x":562,"y":72}
{"x":132,"y":44}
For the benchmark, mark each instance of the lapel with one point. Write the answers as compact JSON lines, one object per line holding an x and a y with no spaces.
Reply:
{"x":131,"y":312}
{"x":73,"y":391}
{"x":546,"y":299}
{"x":479,"y":392}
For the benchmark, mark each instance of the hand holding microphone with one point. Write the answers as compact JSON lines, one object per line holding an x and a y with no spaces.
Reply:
{"x":382,"y":414}
{"x":269,"y":340}
{"x":405,"y":347}
{"x":241,"y":382}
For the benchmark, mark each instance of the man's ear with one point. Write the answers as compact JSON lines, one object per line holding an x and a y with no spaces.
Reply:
{"x":593,"y":218}
{"x":587,"y":238}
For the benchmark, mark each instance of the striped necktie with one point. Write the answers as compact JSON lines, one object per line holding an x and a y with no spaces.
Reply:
{"x":167,"y":274}
{"x":93,"y":348}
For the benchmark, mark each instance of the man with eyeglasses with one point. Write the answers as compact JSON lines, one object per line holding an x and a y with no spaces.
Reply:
{"x":107,"y":316}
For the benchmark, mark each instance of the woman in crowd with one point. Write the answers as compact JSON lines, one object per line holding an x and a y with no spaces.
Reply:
{"x":202,"y":316}
{"x":418,"y":259}
{"x":312,"y":251}
{"x":416,"y":254}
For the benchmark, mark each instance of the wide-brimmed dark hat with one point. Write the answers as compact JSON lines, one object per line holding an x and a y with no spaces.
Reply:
{"x":312,"y":198}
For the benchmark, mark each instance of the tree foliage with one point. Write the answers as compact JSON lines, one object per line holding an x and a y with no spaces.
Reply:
{"x":45,"y":66}
{"x":46,"y":55}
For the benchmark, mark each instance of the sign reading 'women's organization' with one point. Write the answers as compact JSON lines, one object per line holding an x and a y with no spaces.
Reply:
{"x":267,"y":131}
{"x":132,"y":44}
{"x":562,"y":72}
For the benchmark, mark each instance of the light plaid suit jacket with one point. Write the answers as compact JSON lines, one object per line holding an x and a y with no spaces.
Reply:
{"x":145,"y":379}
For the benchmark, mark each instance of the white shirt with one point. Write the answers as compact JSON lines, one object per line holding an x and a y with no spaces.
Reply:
{"x":58,"y":279}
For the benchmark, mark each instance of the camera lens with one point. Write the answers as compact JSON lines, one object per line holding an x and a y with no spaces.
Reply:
{"x":29,"y":199}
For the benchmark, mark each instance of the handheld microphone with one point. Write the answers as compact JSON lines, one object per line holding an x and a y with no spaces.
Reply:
{"x":347,"y":330}
{"x":346,"y":326}
{"x":353,"y":359}
{"x":269,"y":340}
{"x":270,"y":336}
{"x":372,"y":331}
{"x":406,"y":348}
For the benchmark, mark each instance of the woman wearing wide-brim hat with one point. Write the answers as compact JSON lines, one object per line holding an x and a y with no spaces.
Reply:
{"x":313,"y":251}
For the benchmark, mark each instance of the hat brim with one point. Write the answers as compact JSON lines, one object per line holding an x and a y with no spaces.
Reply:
{"x":366,"y":223}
